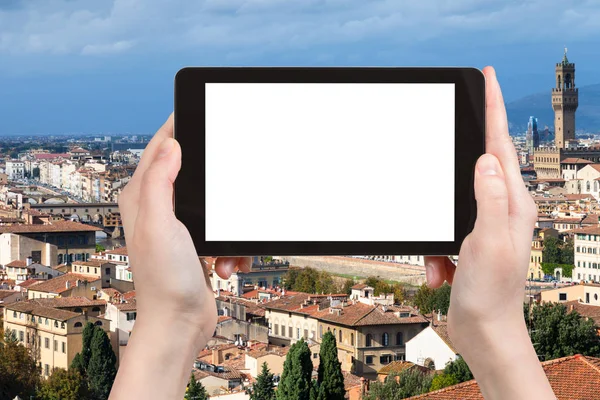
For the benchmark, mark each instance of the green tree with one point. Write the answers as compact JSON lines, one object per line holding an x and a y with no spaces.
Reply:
{"x":330,"y":378}
{"x":441,"y":381}
{"x":459,"y":369}
{"x":19,"y":374}
{"x":77,"y":364}
{"x":289,"y":279}
{"x":100,"y":248}
{"x":101,"y":370}
{"x":296,"y":381}
{"x":441,"y":299}
{"x":551,"y":252}
{"x":195,"y":390}
{"x":86,"y":345}
{"x":423,"y":299}
{"x":347,"y":288}
{"x":556,"y":333}
{"x":63,"y":385}
{"x":264,"y":388}
{"x":567,"y":253}
{"x":399,"y":292}
{"x":324,"y":283}
{"x":410,"y":382}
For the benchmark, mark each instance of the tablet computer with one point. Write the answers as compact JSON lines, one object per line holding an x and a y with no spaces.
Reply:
{"x":328,"y":160}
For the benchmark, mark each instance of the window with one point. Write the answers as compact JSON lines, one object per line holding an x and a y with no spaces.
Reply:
{"x":315,"y":355}
{"x":596,"y":296}
{"x":276,"y":330}
{"x":78,"y":310}
{"x":369,"y":360}
{"x":47,"y":343}
{"x":98,"y":323}
{"x":385,"y":339}
{"x":306,"y":334}
{"x":385,"y":359}
{"x":131,"y":316}
{"x":587,"y":298}
{"x":46,"y":369}
{"x":298,"y":333}
{"x":340,"y":336}
{"x":352,"y":339}
{"x":321,"y":331}
{"x":78,"y":325}
{"x":368,"y":340}
{"x":56,"y":345}
{"x":96,"y":309}
{"x":64,"y":347}
{"x":399,"y":339}
{"x":562,"y":297}
{"x":14,"y":314}
{"x":107,"y":271}
{"x":290,"y":332}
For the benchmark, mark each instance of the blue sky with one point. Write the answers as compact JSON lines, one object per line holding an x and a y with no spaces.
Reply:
{"x":107,"y":66}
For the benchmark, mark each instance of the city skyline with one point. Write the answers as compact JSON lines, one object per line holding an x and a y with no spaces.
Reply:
{"x":116,"y":74}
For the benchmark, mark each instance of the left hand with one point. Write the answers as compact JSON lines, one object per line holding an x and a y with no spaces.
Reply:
{"x":170,"y":278}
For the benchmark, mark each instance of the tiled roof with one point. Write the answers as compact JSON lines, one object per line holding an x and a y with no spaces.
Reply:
{"x":576,"y":161}
{"x":585,"y":310}
{"x":574,"y":377}
{"x":7,"y":293}
{"x":129,"y":295}
{"x":68,"y":302}
{"x":46,"y":156}
{"x":59,"y":284}
{"x":264,"y":351}
{"x":129,"y":306}
{"x":229,"y":374}
{"x":91,"y":263}
{"x":36,"y":308}
{"x":595,"y":166}
{"x":594,"y":230}
{"x":17,"y":263}
{"x":360,"y":314}
{"x":55,"y":226}
{"x":395,"y":367}
{"x":359,"y":286}
{"x":119,"y":251}
{"x":441,"y":328}
{"x":350,"y":380}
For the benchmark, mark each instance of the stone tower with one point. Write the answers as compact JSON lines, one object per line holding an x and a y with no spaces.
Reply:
{"x":565,"y":99}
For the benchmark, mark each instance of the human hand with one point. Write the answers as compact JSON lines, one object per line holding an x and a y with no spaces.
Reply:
{"x":170,"y":280}
{"x":485,"y":320}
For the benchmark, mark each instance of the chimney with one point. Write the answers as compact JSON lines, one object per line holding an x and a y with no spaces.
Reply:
{"x":215,"y":357}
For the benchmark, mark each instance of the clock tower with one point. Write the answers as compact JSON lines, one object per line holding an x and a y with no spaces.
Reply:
{"x":565,"y":99}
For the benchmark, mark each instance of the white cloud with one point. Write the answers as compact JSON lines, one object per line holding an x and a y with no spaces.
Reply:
{"x":92,"y":27}
{"x":111,"y":48}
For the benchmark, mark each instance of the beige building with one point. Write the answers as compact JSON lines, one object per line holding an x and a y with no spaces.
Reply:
{"x":52,"y":328}
{"x":369,"y":337}
{"x":66,"y":285}
{"x":586,"y":243}
{"x":274,"y":356}
{"x":19,"y":247}
{"x":95,"y":269}
{"x":586,"y":293}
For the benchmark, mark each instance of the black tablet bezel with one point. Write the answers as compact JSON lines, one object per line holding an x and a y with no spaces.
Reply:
{"x":189,"y":195}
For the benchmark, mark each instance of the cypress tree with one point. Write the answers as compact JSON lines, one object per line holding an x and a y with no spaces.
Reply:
{"x":86,"y":345}
{"x":331,"y":379}
{"x":77,"y":364}
{"x":101,"y":371}
{"x":296,"y":379}
{"x":264,"y":388}
{"x":195,"y":390}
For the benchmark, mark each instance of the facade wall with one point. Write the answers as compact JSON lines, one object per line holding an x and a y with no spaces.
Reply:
{"x":427,"y":344}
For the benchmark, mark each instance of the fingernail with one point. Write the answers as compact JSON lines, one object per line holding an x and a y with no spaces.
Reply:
{"x":165,"y":148}
{"x":429,"y":273}
{"x":488,"y":165}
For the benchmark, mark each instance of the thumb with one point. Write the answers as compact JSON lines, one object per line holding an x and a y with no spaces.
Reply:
{"x":491,"y":195}
{"x":156,"y":192}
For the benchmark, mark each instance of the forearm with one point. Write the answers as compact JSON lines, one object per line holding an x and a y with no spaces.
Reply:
{"x":506,"y":366}
{"x":157,"y":362}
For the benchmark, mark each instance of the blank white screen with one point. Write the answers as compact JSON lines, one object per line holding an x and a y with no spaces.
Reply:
{"x":329,"y":162}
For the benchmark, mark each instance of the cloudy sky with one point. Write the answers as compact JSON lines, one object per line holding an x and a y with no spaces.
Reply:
{"x":107,"y":66}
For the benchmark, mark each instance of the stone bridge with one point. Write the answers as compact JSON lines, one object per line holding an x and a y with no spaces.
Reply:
{"x":101,"y":214}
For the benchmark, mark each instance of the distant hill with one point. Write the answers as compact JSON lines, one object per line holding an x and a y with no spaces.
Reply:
{"x":539,"y":105}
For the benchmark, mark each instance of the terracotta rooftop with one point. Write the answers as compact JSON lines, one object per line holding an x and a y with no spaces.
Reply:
{"x":129,"y":306}
{"x":17,"y":263}
{"x":30,"y":282}
{"x":7,"y":293}
{"x":590,"y":230}
{"x":55,"y":226}
{"x":395,"y":367}
{"x":574,"y":377}
{"x":91,"y":263}
{"x":59,"y":284}
{"x":50,"y":156}
{"x":359,"y":286}
{"x":576,"y":161}
{"x":119,"y":251}
{"x":360,"y":314}
{"x":36,"y":308}
{"x":585,"y":310}
{"x":276,"y":350}
{"x":69,"y":302}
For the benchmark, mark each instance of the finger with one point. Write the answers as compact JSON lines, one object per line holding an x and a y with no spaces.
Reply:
{"x":129,"y":198}
{"x":244,"y":264}
{"x":156,"y":191}
{"x":450,"y":270}
{"x":435,"y":271}
{"x":498,"y":143}
{"x":225,"y":266}
{"x":492,"y":199}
